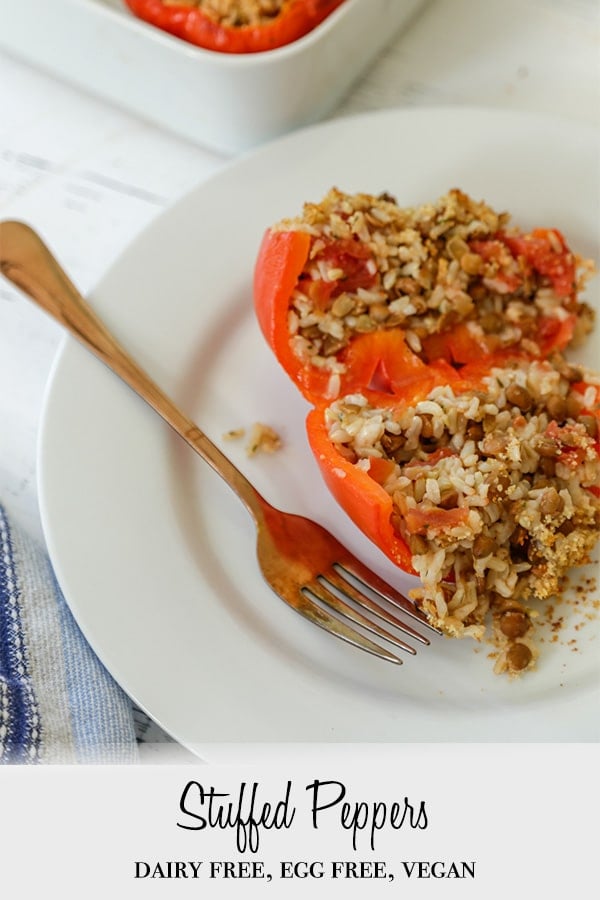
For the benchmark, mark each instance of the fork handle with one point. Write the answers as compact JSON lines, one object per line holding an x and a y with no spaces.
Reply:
{"x":28,"y":263}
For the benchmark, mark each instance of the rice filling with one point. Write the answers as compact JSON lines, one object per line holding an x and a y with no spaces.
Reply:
{"x":494,"y":489}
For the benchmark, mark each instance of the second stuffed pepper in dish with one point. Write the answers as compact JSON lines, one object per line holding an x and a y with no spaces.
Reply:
{"x":235,"y":26}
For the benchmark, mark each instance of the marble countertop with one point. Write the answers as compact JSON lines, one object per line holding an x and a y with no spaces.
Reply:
{"x":90,"y":177}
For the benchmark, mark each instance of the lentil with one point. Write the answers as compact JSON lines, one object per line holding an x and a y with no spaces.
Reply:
{"x":518,"y":656}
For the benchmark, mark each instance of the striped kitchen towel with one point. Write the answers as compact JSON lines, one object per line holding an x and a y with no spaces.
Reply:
{"x":58,"y":704}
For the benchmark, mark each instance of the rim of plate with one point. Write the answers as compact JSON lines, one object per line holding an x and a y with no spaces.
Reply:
{"x":427,"y":118}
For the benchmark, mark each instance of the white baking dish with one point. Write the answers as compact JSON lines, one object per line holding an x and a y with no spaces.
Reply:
{"x":225,"y":102}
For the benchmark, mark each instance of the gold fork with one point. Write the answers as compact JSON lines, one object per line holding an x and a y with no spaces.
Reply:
{"x":305,"y":565}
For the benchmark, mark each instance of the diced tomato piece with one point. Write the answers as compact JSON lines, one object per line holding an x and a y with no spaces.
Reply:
{"x":433,"y":458}
{"x":546,"y":251}
{"x":572,"y":457}
{"x":420,"y":521}
{"x":555,"y":333}
{"x":318,"y":291}
{"x":494,"y":250}
{"x":354,"y":259}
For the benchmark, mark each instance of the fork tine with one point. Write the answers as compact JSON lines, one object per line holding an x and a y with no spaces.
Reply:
{"x":350,"y":591}
{"x":318,"y":616}
{"x":322,"y":593}
{"x":288,"y":546}
{"x":354,"y":567}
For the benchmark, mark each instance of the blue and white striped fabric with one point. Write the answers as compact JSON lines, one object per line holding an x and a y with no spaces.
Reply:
{"x":58,"y":704}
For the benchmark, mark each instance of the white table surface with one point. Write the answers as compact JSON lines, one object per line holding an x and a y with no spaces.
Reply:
{"x":90,"y":177}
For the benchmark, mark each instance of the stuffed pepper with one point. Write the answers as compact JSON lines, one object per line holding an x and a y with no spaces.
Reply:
{"x":358,"y":283}
{"x":487,"y":488}
{"x":446,"y":420}
{"x":235,"y":26}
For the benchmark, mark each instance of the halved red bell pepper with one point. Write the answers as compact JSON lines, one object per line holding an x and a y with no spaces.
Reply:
{"x":192,"y":23}
{"x":361,"y":494}
{"x":380,"y":365}
{"x":280,"y":267}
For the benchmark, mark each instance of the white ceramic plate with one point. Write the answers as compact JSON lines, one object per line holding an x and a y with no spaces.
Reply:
{"x":156,"y":555}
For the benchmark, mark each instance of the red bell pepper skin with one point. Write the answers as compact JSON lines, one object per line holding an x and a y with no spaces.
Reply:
{"x":281,"y":258}
{"x":194,"y":25}
{"x":367,"y":503}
